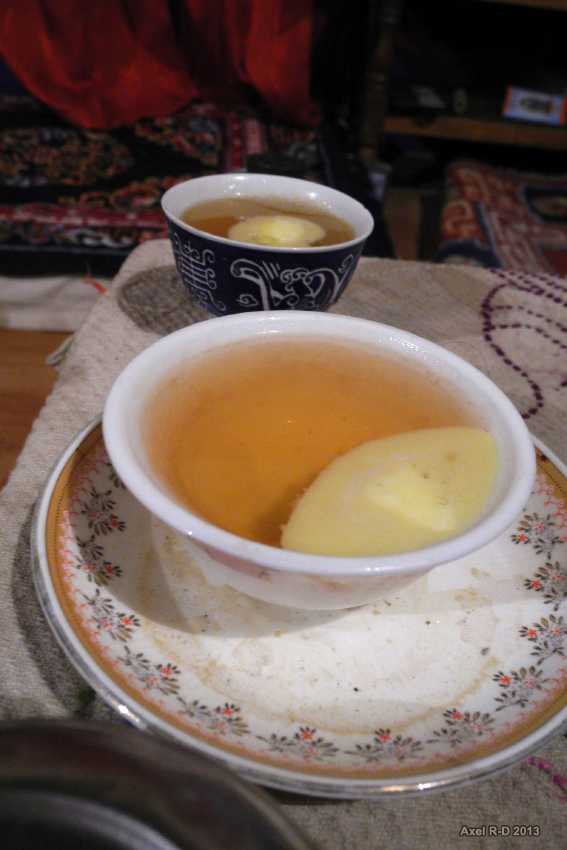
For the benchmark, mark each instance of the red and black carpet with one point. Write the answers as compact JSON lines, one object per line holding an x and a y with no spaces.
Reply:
{"x":499,"y":218}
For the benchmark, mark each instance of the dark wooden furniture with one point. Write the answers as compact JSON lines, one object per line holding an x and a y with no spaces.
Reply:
{"x":376,"y":120}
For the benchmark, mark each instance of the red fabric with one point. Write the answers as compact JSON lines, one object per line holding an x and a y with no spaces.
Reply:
{"x":109,"y":62}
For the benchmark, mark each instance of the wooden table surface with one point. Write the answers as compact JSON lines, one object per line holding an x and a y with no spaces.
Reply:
{"x":25,"y":382}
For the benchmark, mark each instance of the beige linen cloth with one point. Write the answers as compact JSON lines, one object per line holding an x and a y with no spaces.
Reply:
{"x":59,"y":303}
{"x":512,"y":326}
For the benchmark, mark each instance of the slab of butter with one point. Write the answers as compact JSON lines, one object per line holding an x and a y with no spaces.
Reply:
{"x":283,"y":231}
{"x":395,"y":494}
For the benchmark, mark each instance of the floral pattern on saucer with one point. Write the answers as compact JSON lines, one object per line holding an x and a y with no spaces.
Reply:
{"x":91,"y":550}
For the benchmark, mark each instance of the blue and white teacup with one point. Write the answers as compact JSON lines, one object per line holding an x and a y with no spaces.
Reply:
{"x":226,"y":276}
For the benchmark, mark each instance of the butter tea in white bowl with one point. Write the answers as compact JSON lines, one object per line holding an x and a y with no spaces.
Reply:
{"x":249,"y":437}
{"x":223,"y":445}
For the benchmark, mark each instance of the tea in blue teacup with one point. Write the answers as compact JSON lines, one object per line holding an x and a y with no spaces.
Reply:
{"x":264,"y":242}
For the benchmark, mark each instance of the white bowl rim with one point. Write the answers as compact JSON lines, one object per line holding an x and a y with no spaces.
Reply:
{"x":282,"y":560}
{"x":295,"y":181}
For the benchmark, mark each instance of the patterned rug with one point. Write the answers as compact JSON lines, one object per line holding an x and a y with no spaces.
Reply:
{"x":499,"y":218}
{"x":77,"y":202}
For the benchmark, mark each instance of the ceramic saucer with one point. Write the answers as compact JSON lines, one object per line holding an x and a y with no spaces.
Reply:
{"x":458,"y":676}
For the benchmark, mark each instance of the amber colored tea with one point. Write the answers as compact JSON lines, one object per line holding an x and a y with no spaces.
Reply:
{"x":238,"y":434}
{"x":219,"y":216}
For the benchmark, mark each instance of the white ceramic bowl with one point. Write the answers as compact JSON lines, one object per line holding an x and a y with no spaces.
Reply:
{"x":292,"y":578}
